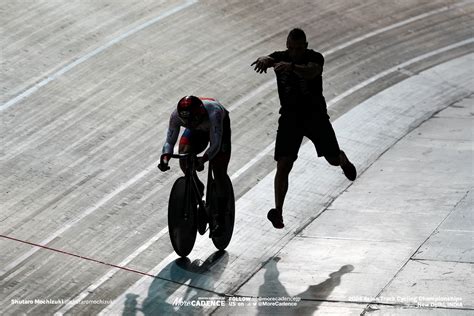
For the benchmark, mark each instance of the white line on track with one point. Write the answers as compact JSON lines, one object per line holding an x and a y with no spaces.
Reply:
{"x":357,"y":40}
{"x":233,"y":107}
{"x":93,"y":53}
{"x":81,"y":296}
{"x":252,"y":94}
{"x":141,"y":286}
{"x":396,"y":68}
{"x":269,"y":148}
{"x":72,"y":222}
{"x":188,"y":3}
{"x":393,"y":26}
{"x":356,"y":88}
{"x":253,"y":161}
{"x":91,"y":288}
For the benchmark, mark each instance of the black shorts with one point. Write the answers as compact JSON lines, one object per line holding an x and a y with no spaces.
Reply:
{"x":315,"y":126}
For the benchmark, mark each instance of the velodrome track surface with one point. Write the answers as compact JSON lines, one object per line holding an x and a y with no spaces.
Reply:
{"x":87,"y":89}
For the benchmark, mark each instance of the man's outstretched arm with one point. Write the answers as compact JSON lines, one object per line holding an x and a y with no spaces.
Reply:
{"x":263,"y":63}
{"x":309,"y":71}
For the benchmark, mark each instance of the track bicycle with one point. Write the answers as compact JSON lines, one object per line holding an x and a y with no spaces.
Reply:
{"x":188,"y":213}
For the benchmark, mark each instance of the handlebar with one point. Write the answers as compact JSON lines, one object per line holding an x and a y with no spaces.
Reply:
{"x":179,"y":156}
{"x":184,"y":156}
{"x":190,"y":157}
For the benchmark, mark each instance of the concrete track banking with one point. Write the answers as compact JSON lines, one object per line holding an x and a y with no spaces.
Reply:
{"x":86,"y":93}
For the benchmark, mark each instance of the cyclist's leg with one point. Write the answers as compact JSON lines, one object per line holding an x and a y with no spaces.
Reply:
{"x":184,"y":147}
{"x":220,"y":163}
{"x":192,"y":141}
{"x":219,"y":169}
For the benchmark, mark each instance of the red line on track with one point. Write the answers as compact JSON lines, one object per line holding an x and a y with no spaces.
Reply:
{"x":78,"y":256}
{"x":105,"y":263}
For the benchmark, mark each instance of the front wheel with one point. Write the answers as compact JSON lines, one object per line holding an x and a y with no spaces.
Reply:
{"x":223,"y":241}
{"x":182,"y":224}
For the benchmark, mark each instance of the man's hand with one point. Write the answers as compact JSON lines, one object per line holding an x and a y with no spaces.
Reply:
{"x":283,"y":67}
{"x":163,"y":165}
{"x":263,"y":63}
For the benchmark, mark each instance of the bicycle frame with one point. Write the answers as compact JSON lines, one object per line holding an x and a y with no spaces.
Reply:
{"x":191,"y":185}
{"x":189,"y":214}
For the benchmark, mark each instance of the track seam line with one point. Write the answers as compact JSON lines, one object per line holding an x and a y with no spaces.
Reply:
{"x":240,"y":171}
{"x":74,"y":255}
{"x":93,"y":53}
{"x":247,"y":97}
{"x":354,"y":41}
{"x":188,"y":3}
{"x":136,"y":178}
{"x":118,"y":267}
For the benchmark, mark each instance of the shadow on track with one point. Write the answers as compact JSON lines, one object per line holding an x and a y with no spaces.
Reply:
{"x":312,"y":297}
{"x":195,"y":274}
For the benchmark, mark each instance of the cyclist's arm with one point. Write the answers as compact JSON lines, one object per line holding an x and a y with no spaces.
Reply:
{"x":215,"y":134}
{"x":171,"y":135}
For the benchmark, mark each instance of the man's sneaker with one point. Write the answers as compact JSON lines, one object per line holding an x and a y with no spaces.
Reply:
{"x":349,"y":169}
{"x":275,"y":218}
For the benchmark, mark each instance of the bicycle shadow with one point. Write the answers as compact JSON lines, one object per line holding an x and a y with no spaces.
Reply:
{"x":198,"y":273}
{"x":315,"y":294}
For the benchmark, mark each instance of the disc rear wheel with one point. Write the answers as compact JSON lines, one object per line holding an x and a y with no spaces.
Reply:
{"x":223,"y":241}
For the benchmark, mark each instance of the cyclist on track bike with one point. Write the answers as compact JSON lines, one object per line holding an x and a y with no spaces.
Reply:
{"x":205,"y":121}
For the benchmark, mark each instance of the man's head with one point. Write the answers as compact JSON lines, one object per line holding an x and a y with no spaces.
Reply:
{"x":191,"y":111}
{"x":296,"y":44}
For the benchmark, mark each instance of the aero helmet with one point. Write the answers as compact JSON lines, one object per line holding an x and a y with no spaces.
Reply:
{"x":190,"y":108}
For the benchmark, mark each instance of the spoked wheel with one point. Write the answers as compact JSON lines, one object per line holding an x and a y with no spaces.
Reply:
{"x":229,"y":216}
{"x":182,"y":224}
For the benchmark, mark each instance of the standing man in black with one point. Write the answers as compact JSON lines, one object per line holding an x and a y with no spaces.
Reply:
{"x":303,"y":113}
